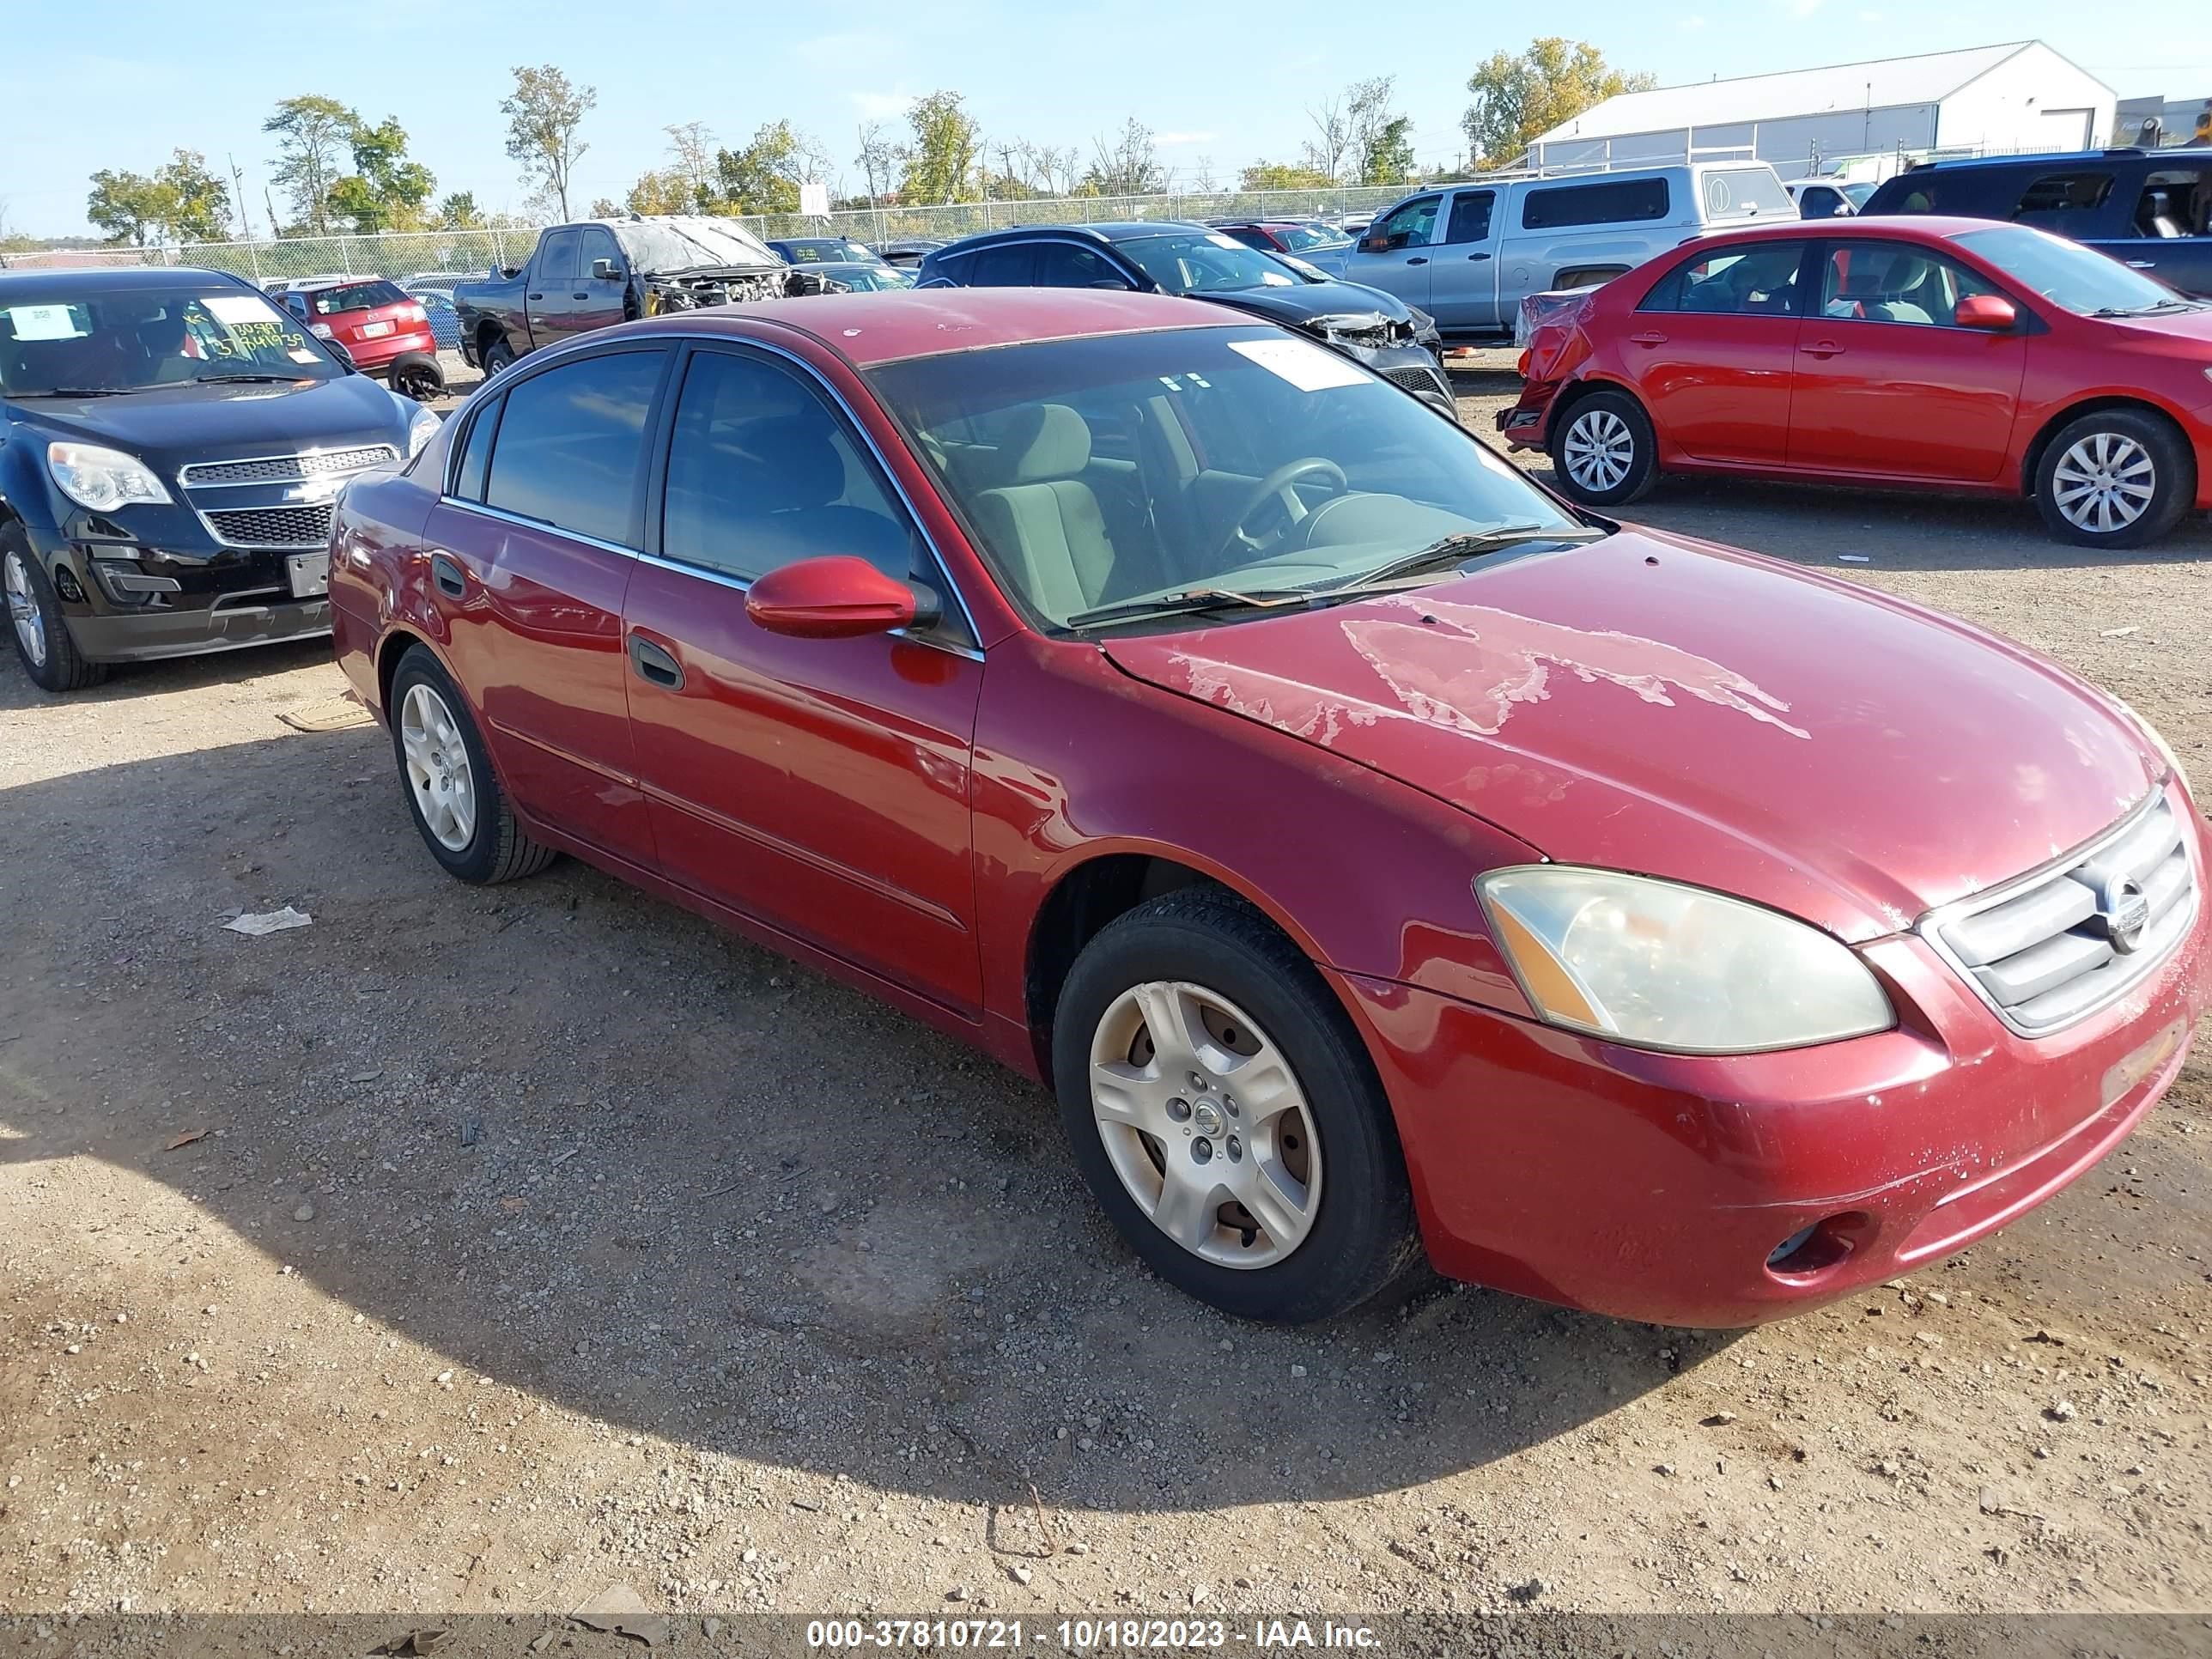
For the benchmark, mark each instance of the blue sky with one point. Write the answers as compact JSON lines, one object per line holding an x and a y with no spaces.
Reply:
{"x":101,"y":84}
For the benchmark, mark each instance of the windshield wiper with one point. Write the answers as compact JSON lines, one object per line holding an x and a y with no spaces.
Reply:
{"x":1465,"y":545}
{"x":2151,"y":309}
{"x":84,"y":392}
{"x":233,"y":379}
{"x":1195,"y":599}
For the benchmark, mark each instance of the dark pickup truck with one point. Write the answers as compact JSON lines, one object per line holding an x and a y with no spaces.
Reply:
{"x":2147,"y":209}
{"x":602,"y":272}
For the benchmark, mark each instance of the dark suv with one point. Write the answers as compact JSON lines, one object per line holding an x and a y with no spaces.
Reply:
{"x":1380,"y":331}
{"x":2151,"y":209}
{"x":171,"y":445}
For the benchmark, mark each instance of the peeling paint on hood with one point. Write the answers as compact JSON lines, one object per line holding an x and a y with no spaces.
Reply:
{"x":1658,"y":705}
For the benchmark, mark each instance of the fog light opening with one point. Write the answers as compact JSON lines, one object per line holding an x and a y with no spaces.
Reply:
{"x":1820,"y":1248}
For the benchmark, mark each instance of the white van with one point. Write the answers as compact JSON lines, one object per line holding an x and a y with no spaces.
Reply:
{"x":1467,"y":253}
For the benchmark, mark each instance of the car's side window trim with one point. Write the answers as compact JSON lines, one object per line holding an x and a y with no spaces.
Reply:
{"x":863,"y":441}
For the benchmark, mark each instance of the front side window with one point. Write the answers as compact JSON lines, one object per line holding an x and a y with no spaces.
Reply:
{"x":1894,"y":282}
{"x":762,"y":471}
{"x":596,"y":243}
{"x":1757,"y":281}
{"x":1411,"y":225}
{"x":569,"y":445}
{"x":1626,"y":201}
{"x":1119,"y":468}
{"x":1470,"y":216}
{"x":66,"y":340}
{"x":2175,"y":203}
{"x":1063,"y":265}
{"x":2067,"y":274}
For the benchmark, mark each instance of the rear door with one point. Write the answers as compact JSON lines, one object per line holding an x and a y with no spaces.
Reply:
{"x":531,"y":552}
{"x":1886,"y":385}
{"x":1713,"y":349}
{"x":1396,"y":252}
{"x":1463,"y":273}
{"x":551,"y":284}
{"x":820,"y":786}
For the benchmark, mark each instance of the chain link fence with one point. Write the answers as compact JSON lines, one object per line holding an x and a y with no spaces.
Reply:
{"x":468,"y":253}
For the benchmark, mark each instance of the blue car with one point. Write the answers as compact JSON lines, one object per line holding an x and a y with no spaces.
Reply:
{"x":445,"y":321}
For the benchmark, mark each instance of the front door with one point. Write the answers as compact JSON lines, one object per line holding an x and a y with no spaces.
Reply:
{"x":2168,"y":235}
{"x":820,"y":786}
{"x":1395,"y":253}
{"x":1887,"y":384}
{"x":529,"y":560}
{"x":598,"y":299}
{"x":1463,"y":270}
{"x":550,"y":293}
{"x":1712,"y":351}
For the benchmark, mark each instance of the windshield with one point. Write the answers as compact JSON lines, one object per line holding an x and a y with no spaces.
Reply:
{"x":1857,"y":195}
{"x":1299,"y":238}
{"x":1109,"y":469}
{"x":132,"y":339}
{"x":663,"y":245}
{"x":2066,"y":273}
{"x":1205,"y":262}
{"x":355,"y":296}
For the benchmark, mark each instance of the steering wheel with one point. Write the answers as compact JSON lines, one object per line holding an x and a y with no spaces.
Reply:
{"x":1276,"y":487}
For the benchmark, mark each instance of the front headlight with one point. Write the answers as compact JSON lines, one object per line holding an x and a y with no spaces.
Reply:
{"x":103,"y":479}
{"x":421,"y":427}
{"x":1664,"y":966}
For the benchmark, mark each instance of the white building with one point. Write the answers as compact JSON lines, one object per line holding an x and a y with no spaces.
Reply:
{"x":2022,"y":96}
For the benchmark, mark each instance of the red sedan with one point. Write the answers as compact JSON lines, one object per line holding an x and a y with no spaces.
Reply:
{"x":1947,"y":353}
{"x":1366,"y":849}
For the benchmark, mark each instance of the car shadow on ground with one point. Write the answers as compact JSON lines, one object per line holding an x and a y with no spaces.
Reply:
{"x":582,"y":1143}
{"x":129,"y":681}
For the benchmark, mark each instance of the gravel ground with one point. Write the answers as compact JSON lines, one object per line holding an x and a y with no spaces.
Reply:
{"x":479,"y":1250}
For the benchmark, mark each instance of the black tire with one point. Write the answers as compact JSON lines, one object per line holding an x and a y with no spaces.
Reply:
{"x":1607,"y":417}
{"x":1361,"y":1234}
{"x":496,"y":355}
{"x":420,"y":380}
{"x":497,"y":849}
{"x":2132,"y":440}
{"x":60,"y":666}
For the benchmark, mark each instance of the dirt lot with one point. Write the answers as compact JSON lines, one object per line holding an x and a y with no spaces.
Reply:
{"x":541,"y":1239}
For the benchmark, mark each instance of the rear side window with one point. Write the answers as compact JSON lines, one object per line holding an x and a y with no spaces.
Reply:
{"x":2050,"y":200}
{"x":1757,"y":281}
{"x":1063,"y":265}
{"x":557,"y":257}
{"x":954,"y":269}
{"x":1006,"y":266}
{"x":1626,"y":201}
{"x":1470,"y":216}
{"x":355,"y":296}
{"x":570,"y":444}
{"x":475,"y":454}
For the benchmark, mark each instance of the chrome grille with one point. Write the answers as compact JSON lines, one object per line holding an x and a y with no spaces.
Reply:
{"x":2053,"y":947}
{"x":287,"y":469}
{"x":272,"y":526}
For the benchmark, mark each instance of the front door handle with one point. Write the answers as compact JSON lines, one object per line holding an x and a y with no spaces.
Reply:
{"x":1647,"y":339}
{"x":1419,"y":259}
{"x":448,"y":576}
{"x":536,"y":296}
{"x":1824,"y":349}
{"x":580,"y":297}
{"x":1477,"y":256}
{"x":2142,"y":265}
{"x":655,"y":666}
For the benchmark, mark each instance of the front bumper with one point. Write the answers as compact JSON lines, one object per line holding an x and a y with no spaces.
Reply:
{"x":135,"y":638}
{"x":1656,"y":1187}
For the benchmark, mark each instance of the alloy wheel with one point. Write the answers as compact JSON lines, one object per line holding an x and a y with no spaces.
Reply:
{"x":1206,"y":1124}
{"x":2104,"y":483}
{"x":1599,"y":450}
{"x":23,"y":610}
{"x":437,"y":770}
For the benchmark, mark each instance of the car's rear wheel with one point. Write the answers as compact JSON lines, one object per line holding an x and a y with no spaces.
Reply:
{"x":1221,"y":1107}
{"x":42,"y":643}
{"x":447,"y":774}
{"x":2115,"y":478}
{"x":1604,"y":450}
{"x":419,"y":380}
{"x":496,"y":355}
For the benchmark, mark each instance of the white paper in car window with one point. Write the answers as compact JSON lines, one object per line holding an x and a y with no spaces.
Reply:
{"x":43,"y":323}
{"x":303,"y":356}
{"x":1308,"y":367}
{"x":234,"y":308}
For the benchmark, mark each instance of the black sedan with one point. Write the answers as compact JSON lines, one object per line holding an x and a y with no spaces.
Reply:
{"x":1375,"y":329}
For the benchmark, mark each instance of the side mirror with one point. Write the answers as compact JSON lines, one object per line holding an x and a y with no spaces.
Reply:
{"x":345,"y":357}
{"x":1991,"y":312}
{"x":836,"y":597}
{"x":606,"y":270}
{"x":1375,"y":242}
{"x":510,"y":272}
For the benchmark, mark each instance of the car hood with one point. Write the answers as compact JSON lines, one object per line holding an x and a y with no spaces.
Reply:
{"x":1302,"y":304}
{"x":181,"y":423}
{"x":1654,"y":704}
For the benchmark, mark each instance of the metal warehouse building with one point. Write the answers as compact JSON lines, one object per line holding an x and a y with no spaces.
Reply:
{"x":2022,"y":96}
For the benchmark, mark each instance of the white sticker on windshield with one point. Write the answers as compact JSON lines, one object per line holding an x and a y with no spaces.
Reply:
{"x":303,"y":356}
{"x":1308,"y":367}
{"x":236,"y":308}
{"x":43,"y":323}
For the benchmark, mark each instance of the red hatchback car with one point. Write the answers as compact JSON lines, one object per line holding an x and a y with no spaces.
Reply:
{"x":1366,"y":848}
{"x":1950,"y":353}
{"x":383,"y":328}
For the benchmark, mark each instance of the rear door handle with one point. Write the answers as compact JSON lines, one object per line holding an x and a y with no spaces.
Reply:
{"x":448,"y":576}
{"x":2142,"y":265}
{"x":1421,"y":260}
{"x":536,"y":296}
{"x":1824,"y":349}
{"x":655,"y":666}
{"x":1647,"y":339}
{"x":580,"y":297}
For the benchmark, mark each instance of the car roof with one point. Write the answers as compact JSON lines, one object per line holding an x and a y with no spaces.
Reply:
{"x":1903,"y":227}
{"x":109,"y":279}
{"x":868,"y":330}
{"x":2038,"y":158}
{"x":1108,"y":232}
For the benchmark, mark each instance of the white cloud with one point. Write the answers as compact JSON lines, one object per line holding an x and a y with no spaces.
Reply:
{"x":1187,"y":138}
{"x":881,"y":106}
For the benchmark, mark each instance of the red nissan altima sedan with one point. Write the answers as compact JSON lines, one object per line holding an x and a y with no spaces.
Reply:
{"x":1951,"y":354}
{"x":1371,"y":853}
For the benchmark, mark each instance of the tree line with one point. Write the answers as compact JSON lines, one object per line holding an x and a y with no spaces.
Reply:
{"x":334,"y":170}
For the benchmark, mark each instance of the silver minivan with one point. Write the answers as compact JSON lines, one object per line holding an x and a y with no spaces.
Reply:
{"x":1468,"y":253}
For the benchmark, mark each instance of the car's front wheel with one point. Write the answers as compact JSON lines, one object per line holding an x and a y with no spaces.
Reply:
{"x":42,"y":644}
{"x":2115,"y":478}
{"x":1604,"y":450}
{"x":1222,"y":1109}
{"x":452,"y":793}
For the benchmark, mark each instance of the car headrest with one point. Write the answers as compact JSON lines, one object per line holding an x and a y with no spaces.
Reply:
{"x":1043,"y":442}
